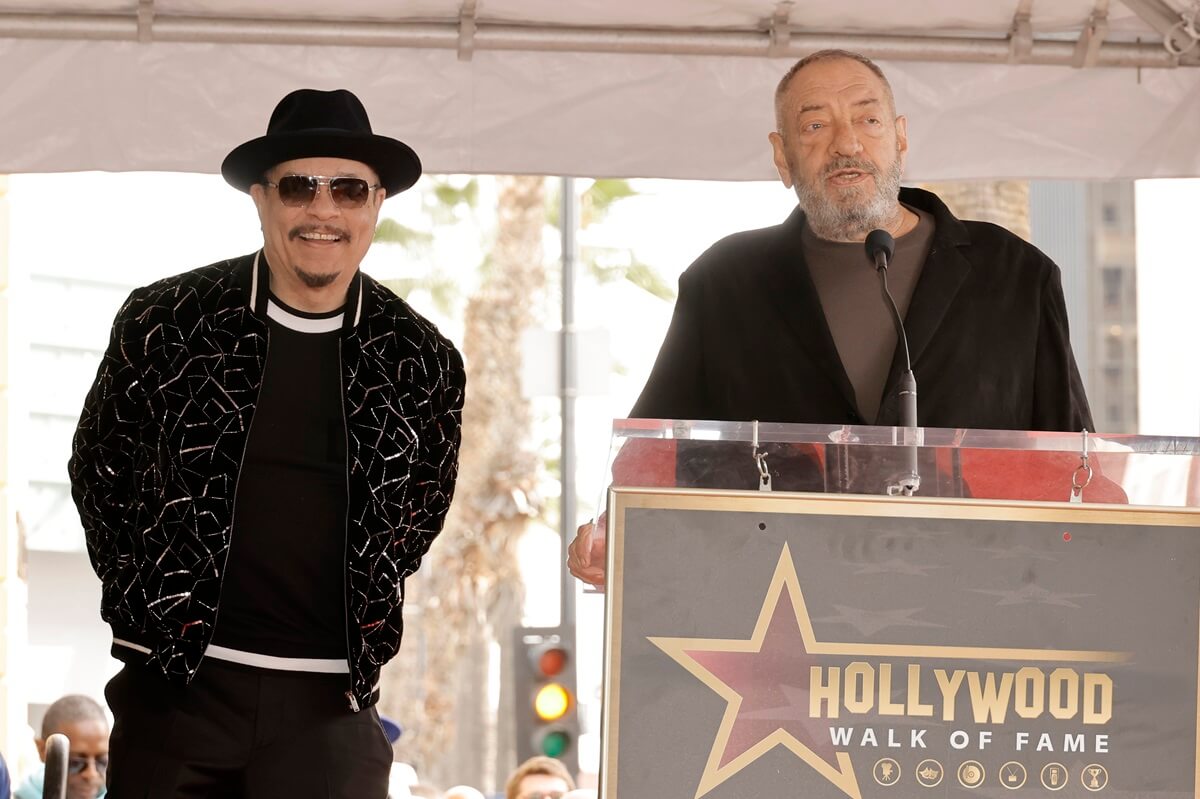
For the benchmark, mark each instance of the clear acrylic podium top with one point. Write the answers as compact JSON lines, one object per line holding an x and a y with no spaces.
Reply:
{"x":1152,"y":471}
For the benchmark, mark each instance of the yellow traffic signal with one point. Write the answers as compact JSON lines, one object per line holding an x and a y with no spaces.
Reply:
{"x":551,"y":702}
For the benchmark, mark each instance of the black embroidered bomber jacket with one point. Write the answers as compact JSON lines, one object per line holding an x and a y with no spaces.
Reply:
{"x":160,"y":442}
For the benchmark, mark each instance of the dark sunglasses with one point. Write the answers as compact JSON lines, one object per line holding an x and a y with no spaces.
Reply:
{"x":77,"y":765}
{"x":297,"y":191}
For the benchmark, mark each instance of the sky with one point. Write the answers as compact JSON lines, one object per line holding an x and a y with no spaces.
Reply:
{"x":1168,"y":257}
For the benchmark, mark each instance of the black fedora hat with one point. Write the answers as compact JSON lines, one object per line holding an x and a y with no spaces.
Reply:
{"x":315,"y":124}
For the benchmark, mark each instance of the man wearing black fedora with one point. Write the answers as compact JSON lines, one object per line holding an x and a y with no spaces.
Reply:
{"x":267,"y":452}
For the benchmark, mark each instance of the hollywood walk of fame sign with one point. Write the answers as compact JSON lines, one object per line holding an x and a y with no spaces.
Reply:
{"x":772,"y":645}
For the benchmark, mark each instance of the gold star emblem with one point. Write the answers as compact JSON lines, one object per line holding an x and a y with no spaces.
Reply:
{"x":782,"y":642}
{"x":765,"y":680}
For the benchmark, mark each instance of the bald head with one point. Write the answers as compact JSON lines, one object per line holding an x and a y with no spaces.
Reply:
{"x":817,"y":58}
{"x":71,"y":709}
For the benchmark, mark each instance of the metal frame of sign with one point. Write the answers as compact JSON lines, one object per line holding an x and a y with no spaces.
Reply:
{"x":623,"y":499}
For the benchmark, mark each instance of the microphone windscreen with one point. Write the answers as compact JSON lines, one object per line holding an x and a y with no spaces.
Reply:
{"x":880,"y":241}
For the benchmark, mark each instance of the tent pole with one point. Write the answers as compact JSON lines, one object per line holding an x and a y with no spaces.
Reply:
{"x":490,"y":36}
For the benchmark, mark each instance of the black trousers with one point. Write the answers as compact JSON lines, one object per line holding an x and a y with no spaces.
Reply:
{"x":242,"y":733}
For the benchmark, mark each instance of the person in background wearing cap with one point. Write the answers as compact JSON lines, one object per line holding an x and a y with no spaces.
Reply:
{"x":267,"y":452}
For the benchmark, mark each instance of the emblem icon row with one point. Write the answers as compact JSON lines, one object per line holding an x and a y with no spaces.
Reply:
{"x":929,"y":773}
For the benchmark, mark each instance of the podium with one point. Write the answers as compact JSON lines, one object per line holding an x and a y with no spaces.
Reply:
{"x":782,"y":622}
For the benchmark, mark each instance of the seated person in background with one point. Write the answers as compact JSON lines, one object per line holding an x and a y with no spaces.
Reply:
{"x":539,"y":777}
{"x":82,"y":720}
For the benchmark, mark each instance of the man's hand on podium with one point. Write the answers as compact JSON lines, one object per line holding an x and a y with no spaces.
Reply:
{"x":586,"y":556}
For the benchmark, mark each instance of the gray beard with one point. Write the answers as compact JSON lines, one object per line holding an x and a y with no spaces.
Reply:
{"x":833,"y":221}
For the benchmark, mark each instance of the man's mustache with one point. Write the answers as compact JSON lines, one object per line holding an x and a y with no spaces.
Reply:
{"x":849,"y":163}
{"x":325,"y":230}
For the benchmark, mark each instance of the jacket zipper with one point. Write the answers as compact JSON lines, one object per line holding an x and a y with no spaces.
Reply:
{"x":237,"y":482}
{"x":354,"y":706}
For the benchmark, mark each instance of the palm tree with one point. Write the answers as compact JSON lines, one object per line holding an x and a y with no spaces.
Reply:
{"x":1004,"y":202}
{"x":468,"y":597}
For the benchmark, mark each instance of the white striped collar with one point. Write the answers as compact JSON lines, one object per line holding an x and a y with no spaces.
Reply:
{"x":356,"y":291}
{"x":303,"y":324}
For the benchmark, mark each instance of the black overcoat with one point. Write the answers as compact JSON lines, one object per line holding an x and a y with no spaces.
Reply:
{"x":987,"y":328}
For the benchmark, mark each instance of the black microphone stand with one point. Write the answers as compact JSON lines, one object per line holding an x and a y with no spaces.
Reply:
{"x":880,"y":246}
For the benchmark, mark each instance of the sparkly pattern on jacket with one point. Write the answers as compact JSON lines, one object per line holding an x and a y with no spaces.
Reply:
{"x":164,"y":428}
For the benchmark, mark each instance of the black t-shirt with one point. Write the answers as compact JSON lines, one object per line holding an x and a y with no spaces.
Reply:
{"x":283,"y":592}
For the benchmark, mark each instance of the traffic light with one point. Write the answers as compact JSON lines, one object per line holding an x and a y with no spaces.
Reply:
{"x":547,"y":715}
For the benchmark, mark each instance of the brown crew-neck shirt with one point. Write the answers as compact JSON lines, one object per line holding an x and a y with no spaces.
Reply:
{"x":856,"y":310}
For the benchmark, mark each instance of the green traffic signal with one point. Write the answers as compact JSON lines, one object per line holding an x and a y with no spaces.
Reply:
{"x":553,"y":743}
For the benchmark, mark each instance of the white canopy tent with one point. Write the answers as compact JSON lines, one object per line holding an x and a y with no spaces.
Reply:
{"x":656,"y":88}
{"x":666,"y":88}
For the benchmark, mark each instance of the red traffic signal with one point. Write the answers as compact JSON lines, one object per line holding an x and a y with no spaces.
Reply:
{"x":551,"y":659}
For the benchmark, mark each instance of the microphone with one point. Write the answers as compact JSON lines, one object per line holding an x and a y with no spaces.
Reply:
{"x":880,"y":247}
